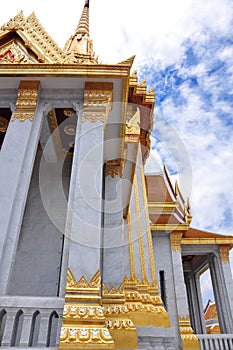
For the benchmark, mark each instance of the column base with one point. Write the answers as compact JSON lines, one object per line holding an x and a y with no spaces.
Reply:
{"x":189,"y":340}
{"x":119,"y":323}
{"x":84,"y":324}
{"x":145,"y":306}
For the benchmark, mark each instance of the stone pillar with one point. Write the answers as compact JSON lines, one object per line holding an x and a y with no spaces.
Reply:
{"x":113,"y":259}
{"x":85,"y":205}
{"x":227,"y":274}
{"x":17,"y":158}
{"x":221,"y":295}
{"x":195,"y":303}
{"x":181,"y":296}
{"x":200,"y":316}
{"x":43,"y":331}
{"x":189,"y":341}
{"x":84,"y":227}
{"x":7,"y":335}
{"x":26,"y":330}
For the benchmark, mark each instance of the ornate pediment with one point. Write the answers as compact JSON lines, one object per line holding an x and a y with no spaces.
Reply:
{"x":24,"y":40}
{"x":13,"y":53}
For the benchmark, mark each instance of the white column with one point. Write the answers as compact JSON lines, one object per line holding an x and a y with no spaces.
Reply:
{"x":17,"y":158}
{"x":26,"y":330}
{"x":84,"y":226}
{"x":7,"y":335}
{"x":195,"y":303}
{"x":113,"y":252}
{"x":181,"y":296}
{"x":221,"y":295}
{"x":43,"y":332}
{"x":227,"y":274}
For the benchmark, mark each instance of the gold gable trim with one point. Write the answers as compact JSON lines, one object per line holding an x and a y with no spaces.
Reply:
{"x":34,"y":37}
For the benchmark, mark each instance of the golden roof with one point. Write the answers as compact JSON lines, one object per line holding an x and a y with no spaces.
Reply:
{"x":165,"y":202}
{"x":29,"y":37}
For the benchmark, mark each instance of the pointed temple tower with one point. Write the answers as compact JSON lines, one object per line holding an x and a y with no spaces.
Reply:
{"x":94,"y":253}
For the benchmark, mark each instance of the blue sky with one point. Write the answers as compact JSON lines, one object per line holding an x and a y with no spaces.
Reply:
{"x":184,"y":49}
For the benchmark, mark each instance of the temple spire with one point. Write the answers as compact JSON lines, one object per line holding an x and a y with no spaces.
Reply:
{"x":79,"y":47}
{"x":83,"y":26}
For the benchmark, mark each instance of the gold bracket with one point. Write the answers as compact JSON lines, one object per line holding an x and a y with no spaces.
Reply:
{"x":27,"y":101}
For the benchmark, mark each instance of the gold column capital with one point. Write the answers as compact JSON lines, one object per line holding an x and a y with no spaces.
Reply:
{"x":98,"y":99}
{"x":27,"y":100}
{"x":175,"y":238}
{"x":224,"y":250}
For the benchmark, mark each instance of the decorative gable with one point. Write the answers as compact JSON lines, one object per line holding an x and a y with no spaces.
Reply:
{"x":24,"y":40}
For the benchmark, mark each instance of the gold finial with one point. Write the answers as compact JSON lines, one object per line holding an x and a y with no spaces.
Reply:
{"x":79,"y":48}
{"x":83,"y":26}
{"x":152,"y":90}
{"x":143,"y":82}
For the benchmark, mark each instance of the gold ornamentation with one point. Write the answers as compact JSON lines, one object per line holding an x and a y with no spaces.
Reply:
{"x":77,"y":337}
{"x":70,"y":280}
{"x":72,"y":285}
{"x":170,"y":227}
{"x":224,"y":253}
{"x":69,"y":112}
{"x":141,"y":245}
{"x":149,"y":237}
{"x":132,"y":130}
{"x":56,"y":133}
{"x":11,"y":53}
{"x":189,"y":340}
{"x":119,"y":323}
{"x":18,"y":22}
{"x":35,"y":37}
{"x":83,"y":312}
{"x":83,"y":317}
{"x":115,"y":167}
{"x":123,"y":309}
{"x":27,"y":101}
{"x":95,"y":281}
{"x":205,"y":240}
{"x":138,"y":95}
{"x":70,"y":129}
{"x":128,"y":62}
{"x":97,"y":102}
{"x":51,"y":51}
{"x":176,"y":238}
{"x":3,"y":124}
{"x":145,"y":308}
{"x":131,"y":248}
{"x":82,"y":283}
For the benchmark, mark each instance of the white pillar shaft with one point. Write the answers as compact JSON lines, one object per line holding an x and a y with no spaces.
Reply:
{"x":17,"y":159}
{"x":84,"y":225}
{"x":181,"y":296}
{"x":221,"y":296}
{"x":113,"y":258}
{"x":229,"y":283}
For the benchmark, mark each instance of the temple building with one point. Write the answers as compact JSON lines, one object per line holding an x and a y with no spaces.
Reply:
{"x":95,"y":252}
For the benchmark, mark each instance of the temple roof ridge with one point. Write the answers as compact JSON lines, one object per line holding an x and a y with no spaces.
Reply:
{"x":197,"y":233}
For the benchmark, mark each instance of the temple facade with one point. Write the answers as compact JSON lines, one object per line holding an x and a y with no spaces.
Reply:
{"x":95,"y":253}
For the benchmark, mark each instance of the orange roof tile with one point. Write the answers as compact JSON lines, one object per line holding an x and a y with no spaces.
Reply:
{"x":195,"y":233}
